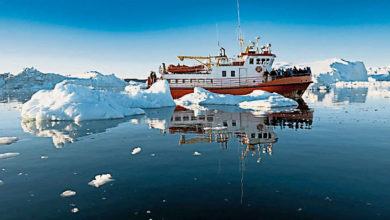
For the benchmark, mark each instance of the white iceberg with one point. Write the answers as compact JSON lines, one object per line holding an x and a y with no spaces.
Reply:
{"x":68,"y":193}
{"x":75,"y":102}
{"x":258,"y":99}
{"x":8,"y":140}
{"x":379,"y":73}
{"x":196,"y":153}
{"x":98,"y":81}
{"x":101,"y":180}
{"x":8,"y":155}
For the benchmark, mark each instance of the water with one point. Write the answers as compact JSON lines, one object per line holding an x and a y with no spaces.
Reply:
{"x":327,"y":159}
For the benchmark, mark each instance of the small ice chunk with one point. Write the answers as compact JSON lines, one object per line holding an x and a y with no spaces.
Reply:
{"x":100,"y":180}
{"x":44,"y":157}
{"x":196,"y":153}
{"x":8,"y":140}
{"x":8,"y":155}
{"x":1,"y":182}
{"x":68,"y":193}
{"x":136,"y":150}
{"x":74,"y":210}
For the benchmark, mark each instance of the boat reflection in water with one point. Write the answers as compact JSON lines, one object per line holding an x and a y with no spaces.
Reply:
{"x":256,"y":132}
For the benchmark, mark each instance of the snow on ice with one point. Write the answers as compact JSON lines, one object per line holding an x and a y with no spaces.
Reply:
{"x":8,"y":140}
{"x":256,"y":99}
{"x":101,"y":180}
{"x":76,"y":102}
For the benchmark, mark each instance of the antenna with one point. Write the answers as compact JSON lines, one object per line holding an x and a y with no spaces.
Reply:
{"x":216,"y":26}
{"x":239,"y":26}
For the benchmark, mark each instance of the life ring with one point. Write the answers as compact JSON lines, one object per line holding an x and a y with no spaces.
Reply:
{"x":258,"y":69}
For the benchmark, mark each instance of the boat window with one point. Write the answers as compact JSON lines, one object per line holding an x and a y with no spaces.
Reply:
{"x":210,"y":118}
{"x":224,"y":73}
{"x":257,"y":61}
{"x":269,"y":135}
{"x":225,"y":124}
{"x":262,"y":60}
{"x":260,"y":135}
{"x":193,"y":118}
{"x":177,"y":81}
{"x":177,"y":119}
{"x":253,"y":135}
{"x":186,"y":118}
{"x":201,"y":118}
{"x":265,"y":135}
{"x":251,"y":61}
{"x":233,"y":73}
{"x":234,"y":123}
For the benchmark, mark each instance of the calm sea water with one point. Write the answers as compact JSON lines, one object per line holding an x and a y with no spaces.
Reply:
{"x":327,"y":159}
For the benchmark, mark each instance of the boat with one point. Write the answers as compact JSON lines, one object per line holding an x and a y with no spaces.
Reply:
{"x":249,"y":71}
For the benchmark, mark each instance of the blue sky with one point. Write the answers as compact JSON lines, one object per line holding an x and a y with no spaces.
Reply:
{"x":130,"y":38}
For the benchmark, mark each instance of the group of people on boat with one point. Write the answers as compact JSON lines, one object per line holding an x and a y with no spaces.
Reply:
{"x":288,"y":72}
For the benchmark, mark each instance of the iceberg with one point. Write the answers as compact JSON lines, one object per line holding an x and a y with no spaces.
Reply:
{"x":77,"y":103}
{"x":100,"y":180}
{"x":256,"y":99}
{"x":8,"y":140}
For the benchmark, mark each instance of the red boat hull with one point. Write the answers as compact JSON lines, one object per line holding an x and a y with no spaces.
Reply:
{"x":291,"y":87}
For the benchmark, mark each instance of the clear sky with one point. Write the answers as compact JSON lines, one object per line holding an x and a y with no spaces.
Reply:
{"x":130,"y":38}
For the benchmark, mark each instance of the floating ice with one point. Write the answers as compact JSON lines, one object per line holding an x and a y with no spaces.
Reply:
{"x":8,"y":140}
{"x":74,"y":210}
{"x":263,"y":99}
{"x":68,"y":193}
{"x":101,"y":180}
{"x":44,"y":157}
{"x":196,"y":153}
{"x":1,"y":182}
{"x":136,"y":150}
{"x":8,"y":155}
{"x":75,"y":102}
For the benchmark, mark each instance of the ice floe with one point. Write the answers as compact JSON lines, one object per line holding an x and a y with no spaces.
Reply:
{"x":8,"y":140}
{"x":1,"y":182}
{"x":101,"y":180}
{"x":8,"y":155}
{"x":74,"y":210}
{"x":256,"y":99}
{"x":136,"y":150}
{"x":75,"y":102}
{"x":196,"y":153}
{"x":68,"y":193}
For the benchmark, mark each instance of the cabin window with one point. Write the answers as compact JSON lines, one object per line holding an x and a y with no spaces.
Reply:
{"x":201,"y":118}
{"x":225,"y":124}
{"x":233,"y":73}
{"x":251,"y":61}
{"x":176,"y":81}
{"x":265,"y":135}
{"x":186,"y":118}
{"x":210,"y":118}
{"x":234,"y":123}
{"x":258,"y":61}
{"x":269,"y":135}
{"x":177,"y":119}
{"x":262,"y":60}
{"x":253,"y":135}
{"x":193,"y":118}
{"x":260,"y":135}
{"x":224,"y":73}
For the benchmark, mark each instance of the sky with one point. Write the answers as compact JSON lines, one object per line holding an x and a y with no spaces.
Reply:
{"x":130,"y":38}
